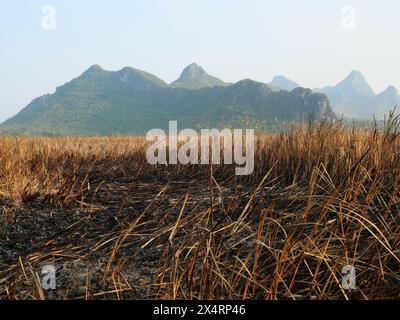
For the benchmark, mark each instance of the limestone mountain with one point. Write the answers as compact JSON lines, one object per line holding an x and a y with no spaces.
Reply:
{"x":353,"y":86}
{"x":387,"y":99}
{"x":195,"y":77}
{"x":131,"y":101}
{"x":283,"y":83}
{"x":354,"y":97}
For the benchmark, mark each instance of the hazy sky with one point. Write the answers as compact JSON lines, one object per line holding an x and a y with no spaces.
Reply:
{"x":313,"y":42}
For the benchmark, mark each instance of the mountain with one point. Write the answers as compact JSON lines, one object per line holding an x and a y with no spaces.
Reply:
{"x":194,"y":77}
{"x":387,"y":100}
{"x":131,"y":101}
{"x":283,"y":83}
{"x":354,"y":97}
{"x":354,"y":86}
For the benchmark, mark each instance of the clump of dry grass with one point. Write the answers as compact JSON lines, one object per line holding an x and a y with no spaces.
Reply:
{"x":321,"y":197}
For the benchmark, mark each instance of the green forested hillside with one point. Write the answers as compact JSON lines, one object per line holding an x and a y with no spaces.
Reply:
{"x":131,"y":101}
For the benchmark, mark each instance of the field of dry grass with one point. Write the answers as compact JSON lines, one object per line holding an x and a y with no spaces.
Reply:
{"x":321,"y":197}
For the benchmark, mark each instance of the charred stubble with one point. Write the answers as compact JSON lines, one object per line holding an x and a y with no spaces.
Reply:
{"x":321,"y":197}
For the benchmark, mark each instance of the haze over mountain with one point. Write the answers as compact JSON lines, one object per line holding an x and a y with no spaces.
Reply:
{"x":131,"y":101}
{"x":283,"y":83}
{"x":353,"y":96}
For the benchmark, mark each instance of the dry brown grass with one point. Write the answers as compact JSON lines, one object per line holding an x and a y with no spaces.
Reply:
{"x":321,"y":197}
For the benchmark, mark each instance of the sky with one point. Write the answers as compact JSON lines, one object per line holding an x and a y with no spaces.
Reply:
{"x":46,"y":43}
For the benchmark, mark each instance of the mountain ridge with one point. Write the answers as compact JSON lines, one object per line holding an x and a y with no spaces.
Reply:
{"x":132,"y":101}
{"x":353,"y":97}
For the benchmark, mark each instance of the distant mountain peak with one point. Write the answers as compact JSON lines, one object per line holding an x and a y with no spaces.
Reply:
{"x":195,"y":77}
{"x":130,"y":74}
{"x":389,"y":93}
{"x":283,"y":83}
{"x":192,"y":71}
{"x":354,"y":97}
{"x":356,"y":85}
{"x":96,"y":67}
{"x":356,"y":73}
{"x":391,"y":90}
{"x":356,"y":76}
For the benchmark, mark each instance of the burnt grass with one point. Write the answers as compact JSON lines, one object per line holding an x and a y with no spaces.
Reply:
{"x":114,"y":227}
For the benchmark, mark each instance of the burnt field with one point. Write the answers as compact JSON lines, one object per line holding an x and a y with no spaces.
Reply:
{"x":321,"y":197}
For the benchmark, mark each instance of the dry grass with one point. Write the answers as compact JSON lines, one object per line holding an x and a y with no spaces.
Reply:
{"x":115,"y":227}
